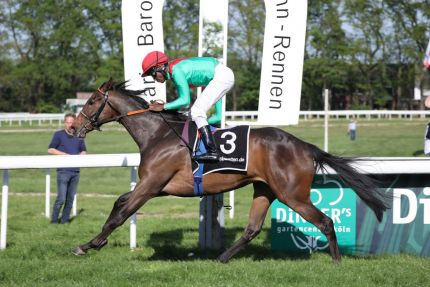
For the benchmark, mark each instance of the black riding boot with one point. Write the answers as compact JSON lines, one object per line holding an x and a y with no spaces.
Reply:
{"x":211,"y":154}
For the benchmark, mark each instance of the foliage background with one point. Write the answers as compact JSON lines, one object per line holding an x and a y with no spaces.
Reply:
{"x":368,"y":53}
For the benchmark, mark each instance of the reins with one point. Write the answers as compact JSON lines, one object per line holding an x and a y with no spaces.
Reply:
{"x":117,"y":118}
{"x":176,"y":133}
{"x":93,"y":120}
{"x":95,"y":124}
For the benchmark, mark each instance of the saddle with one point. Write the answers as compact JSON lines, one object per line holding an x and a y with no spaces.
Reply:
{"x":232,"y":147}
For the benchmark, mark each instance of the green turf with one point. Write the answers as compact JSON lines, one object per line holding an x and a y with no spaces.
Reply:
{"x":38,"y":254}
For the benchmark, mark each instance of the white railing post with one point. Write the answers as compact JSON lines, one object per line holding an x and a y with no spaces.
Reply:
{"x":47,"y":192}
{"x":231,"y":212}
{"x":4,"y":199}
{"x":75,"y":205}
{"x":133,"y":217}
{"x":326,"y":120}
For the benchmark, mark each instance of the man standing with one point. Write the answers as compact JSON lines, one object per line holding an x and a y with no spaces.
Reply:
{"x":352,"y":128}
{"x":63,"y":142}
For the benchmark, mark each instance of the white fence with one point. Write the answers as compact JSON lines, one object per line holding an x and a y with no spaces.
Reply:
{"x":388,"y":114}
{"x":11,"y":118}
{"x":60,"y":161}
{"x":398,"y":165}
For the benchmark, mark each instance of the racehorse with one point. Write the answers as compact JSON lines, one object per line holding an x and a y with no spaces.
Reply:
{"x":280,"y":166}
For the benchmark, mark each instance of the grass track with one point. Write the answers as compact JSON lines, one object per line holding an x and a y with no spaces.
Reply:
{"x":38,"y":254}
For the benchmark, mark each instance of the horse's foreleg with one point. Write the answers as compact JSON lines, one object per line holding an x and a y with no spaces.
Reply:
{"x":263,"y":197}
{"x":124,"y":207}
{"x":118,"y":205}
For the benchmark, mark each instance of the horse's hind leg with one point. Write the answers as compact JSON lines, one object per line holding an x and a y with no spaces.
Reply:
{"x":296,"y":194}
{"x":324,"y":223}
{"x":263,"y":197}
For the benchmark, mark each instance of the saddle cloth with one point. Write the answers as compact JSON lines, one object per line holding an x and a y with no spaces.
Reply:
{"x":233,"y":148}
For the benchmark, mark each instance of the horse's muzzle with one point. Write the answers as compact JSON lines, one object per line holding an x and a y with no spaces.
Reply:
{"x":80,"y":133}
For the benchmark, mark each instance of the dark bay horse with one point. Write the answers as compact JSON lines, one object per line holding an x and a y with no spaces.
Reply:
{"x":280,"y":166}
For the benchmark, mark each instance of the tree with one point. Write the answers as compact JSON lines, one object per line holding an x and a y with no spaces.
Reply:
{"x":181,"y":26}
{"x":368,"y":53}
{"x":411,"y":20}
{"x":56,"y":48}
{"x":246,"y":36}
{"x":326,"y":54}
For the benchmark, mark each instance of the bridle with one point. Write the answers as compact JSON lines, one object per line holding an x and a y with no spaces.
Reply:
{"x":93,"y":119}
{"x":93,"y":123}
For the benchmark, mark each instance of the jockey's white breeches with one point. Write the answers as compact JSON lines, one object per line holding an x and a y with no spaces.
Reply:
{"x":220,"y":85}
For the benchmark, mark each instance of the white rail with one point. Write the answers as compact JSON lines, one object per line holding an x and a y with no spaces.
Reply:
{"x":62,"y":161}
{"x":10,"y":118}
{"x":234,"y":118}
{"x":30,"y":118}
{"x":399,"y":165}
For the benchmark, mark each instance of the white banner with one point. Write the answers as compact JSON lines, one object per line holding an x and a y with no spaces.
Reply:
{"x":282,"y":62}
{"x":214,"y":12}
{"x":426,"y":61}
{"x":142,"y":32}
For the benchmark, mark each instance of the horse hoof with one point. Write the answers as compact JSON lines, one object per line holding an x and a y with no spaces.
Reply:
{"x":78,"y":251}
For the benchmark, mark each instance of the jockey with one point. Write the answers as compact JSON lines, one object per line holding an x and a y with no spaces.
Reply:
{"x":187,"y":73}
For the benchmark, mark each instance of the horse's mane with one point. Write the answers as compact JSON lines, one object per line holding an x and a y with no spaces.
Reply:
{"x":134,"y":94}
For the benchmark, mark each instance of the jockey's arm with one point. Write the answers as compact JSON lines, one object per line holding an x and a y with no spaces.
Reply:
{"x":183,"y":90}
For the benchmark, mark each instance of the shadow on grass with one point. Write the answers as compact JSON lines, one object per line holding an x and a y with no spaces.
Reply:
{"x":167,"y":246}
{"x":78,"y":213}
{"x":418,"y":152}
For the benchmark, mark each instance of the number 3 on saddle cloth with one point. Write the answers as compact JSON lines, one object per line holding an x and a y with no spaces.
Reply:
{"x":233,"y":147}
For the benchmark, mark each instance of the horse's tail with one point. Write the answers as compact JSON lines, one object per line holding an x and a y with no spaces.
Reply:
{"x":363,"y":185}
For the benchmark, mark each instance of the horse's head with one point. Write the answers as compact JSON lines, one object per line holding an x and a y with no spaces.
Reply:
{"x":96,"y":111}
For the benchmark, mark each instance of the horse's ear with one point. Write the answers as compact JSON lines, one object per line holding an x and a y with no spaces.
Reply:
{"x":109,"y":84}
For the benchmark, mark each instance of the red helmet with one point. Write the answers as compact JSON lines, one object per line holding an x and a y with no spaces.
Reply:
{"x":153,"y":59}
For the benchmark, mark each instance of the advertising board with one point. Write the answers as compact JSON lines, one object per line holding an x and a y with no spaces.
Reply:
{"x":405,"y":227}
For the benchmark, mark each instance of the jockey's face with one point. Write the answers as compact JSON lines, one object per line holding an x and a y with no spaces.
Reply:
{"x":159,"y":77}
